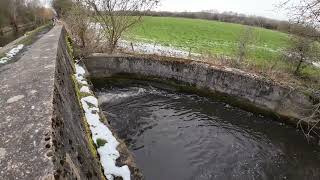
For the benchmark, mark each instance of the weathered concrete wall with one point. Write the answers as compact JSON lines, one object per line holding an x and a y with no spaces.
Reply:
{"x":74,"y":157}
{"x":42,"y":133}
{"x":245,"y":90}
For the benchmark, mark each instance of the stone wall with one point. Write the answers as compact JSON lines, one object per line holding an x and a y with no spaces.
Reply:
{"x":74,"y":157}
{"x":42,"y":131}
{"x":239,"y":88}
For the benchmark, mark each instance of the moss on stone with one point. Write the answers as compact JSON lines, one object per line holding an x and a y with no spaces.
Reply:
{"x":75,"y":82}
{"x":84,"y":94}
{"x":70,"y":51}
{"x":68,"y":40}
{"x":101,"y":142}
{"x":91,"y":145}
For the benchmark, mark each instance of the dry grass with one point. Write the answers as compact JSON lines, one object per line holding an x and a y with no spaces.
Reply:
{"x":272,"y":71}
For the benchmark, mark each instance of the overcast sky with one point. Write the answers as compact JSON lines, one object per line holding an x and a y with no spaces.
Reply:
{"x":266,"y":8}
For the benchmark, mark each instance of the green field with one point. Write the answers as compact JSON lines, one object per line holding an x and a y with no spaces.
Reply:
{"x":204,"y":36}
{"x":216,"y":38}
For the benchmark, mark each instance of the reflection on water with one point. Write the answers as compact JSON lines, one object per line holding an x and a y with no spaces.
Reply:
{"x":185,"y":137}
{"x":11,"y":36}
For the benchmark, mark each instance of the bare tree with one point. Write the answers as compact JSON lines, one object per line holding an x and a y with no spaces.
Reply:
{"x":78,"y":22}
{"x":305,"y":48}
{"x":302,"y":49}
{"x":245,"y":39}
{"x":17,"y":12}
{"x":3,"y":16}
{"x":305,"y":13}
{"x":117,"y":16}
{"x":62,"y":6}
{"x":13,"y":14}
{"x":306,"y":16}
{"x":33,"y":7}
{"x":299,"y":52}
{"x":312,"y":120}
{"x":85,"y":33}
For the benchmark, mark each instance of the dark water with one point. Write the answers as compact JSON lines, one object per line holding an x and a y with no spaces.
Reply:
{"x":11,"y":36}
{"x":177,"y":136}
{"x":25,"y":49}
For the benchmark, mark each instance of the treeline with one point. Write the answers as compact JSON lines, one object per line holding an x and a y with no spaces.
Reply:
{"x":18,"y":12}
{"x":231,"y":17}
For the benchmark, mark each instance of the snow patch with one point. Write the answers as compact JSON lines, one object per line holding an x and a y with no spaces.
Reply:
{"x":108,"y":152}
{"x":170,"y":50}
{"x":80,"y":70}
{"x":13,"y":52}
{"x":91,"y":100}
{"x":85,"y":89}
{"x":149,"y":48}
{"x":80,"y":75}
{"x":316,"y":64}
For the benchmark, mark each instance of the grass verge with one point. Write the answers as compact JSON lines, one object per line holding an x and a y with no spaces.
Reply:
{"x":31,"y":35}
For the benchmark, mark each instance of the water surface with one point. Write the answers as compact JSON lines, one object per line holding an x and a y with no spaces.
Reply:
{"x":181,"y":136}
{"x":12,"y":35}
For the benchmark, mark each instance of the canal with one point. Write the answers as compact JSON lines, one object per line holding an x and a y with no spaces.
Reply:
{"x":181,"y":136}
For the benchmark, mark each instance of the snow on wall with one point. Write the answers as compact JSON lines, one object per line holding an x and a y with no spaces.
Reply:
{"x":100,"y":132}
{"x":13,"y":52}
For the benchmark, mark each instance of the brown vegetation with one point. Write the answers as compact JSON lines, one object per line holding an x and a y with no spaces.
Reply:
{"x":307,"y":13}
{"x":91,"y":22}
{"x":16,"y":12}
{"x":117,"y":16}
{"x":83,"y":31}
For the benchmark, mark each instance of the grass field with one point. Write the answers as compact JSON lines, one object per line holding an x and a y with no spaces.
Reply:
{"x":208,"y":36}
{"x":217,"y":38}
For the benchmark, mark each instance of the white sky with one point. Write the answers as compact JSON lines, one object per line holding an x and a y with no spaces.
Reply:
{"x":265,"y":8}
